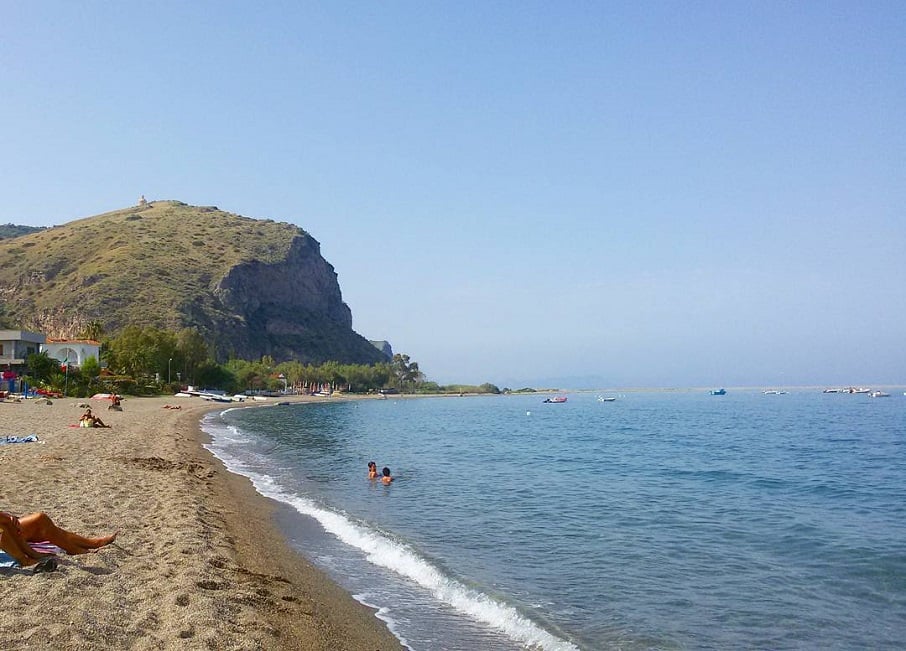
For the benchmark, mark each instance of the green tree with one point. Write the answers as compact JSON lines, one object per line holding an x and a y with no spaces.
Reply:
{"x":405,"y":371}
{"x":191,"y":351}
{"x":142,"y":352}
{"x":211,"y":375}
{"x":330,"y":372}
{"x":293,"y":370}
{"x":91,"y":369}
{"x":41,"y":366}
{"x":130,"y":353}
{"x":381,"y":373}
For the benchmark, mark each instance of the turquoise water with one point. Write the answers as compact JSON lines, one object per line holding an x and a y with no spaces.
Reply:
{"x":663,"y":520}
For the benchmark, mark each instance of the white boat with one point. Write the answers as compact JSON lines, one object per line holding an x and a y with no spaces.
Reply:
{"x":878,"y":394}
{"x":606,"y":399}
{"x":215,"y":397}
{"x":774,"y":392}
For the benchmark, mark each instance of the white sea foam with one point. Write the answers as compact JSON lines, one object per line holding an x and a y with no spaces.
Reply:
{"x":384,"y":551}
{"x":381,"y":613}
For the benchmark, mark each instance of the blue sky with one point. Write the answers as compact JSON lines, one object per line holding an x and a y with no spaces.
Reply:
{"x":608,"y":194}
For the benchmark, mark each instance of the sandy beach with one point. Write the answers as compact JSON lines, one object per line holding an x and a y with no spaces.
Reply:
{"x":198,"y":563}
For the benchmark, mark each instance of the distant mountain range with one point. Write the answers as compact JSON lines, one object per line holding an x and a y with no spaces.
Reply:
{"x":251,"y":287}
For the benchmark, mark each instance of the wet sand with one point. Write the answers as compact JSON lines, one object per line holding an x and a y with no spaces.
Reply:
{"x":198,"y":564}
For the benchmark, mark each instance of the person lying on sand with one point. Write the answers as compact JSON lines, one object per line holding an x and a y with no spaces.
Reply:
{"x":172,"y":407}
{"x":16,"y":533}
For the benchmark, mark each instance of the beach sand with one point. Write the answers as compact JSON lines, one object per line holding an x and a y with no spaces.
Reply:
{"x":198,"y":564}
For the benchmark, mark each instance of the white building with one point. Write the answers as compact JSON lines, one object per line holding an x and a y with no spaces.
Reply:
{"x":72,"y":351}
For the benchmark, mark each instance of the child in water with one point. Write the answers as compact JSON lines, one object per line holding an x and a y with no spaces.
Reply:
{"x":372,"y":470}
{"x":386,"y":479}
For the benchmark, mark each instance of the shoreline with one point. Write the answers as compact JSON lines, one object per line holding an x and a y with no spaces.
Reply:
{"x":200,"y":561}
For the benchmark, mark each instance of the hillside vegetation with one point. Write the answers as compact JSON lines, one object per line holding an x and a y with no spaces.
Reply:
{"x":170,"y":265}
{"x":133,"y":266}
{"x":13,"y":230}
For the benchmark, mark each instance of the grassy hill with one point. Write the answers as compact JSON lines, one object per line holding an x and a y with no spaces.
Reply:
{"x":164,"y":264}
{"x":129,"y":266}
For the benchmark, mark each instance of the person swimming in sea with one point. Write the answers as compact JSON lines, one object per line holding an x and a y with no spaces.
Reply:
{"x":386,"y":479}
{"x":372,"y":470}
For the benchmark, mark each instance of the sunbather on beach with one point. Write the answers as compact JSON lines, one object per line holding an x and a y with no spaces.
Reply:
{"x":90,"y":420}
{"x":16,"y":533}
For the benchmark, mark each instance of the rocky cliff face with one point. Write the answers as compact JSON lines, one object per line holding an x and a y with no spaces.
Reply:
{"x":251,"y":287}
{"x":286,"y":309}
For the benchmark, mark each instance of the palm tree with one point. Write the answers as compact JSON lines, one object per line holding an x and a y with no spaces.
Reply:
{"x":94,"y":330}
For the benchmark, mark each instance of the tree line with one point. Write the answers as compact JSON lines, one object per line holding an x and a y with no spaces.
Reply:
{"x":149,"y":361}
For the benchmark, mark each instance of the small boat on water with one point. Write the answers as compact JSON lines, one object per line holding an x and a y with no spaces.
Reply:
{"x":774,"y":392}
{"x":555,"y":399}
{"x":878,"y":394}
{"x":606,"y":399}
{"x":718,"y":392}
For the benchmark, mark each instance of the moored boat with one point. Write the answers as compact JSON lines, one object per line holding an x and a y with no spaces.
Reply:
{"x":555,"y":399}
{"x":878,"y":394}
{"x":718,"y":392}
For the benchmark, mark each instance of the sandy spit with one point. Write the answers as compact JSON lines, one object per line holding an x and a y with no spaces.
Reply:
{"x":199,"y":563}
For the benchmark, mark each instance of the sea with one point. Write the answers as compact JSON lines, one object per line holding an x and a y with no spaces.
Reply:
{"x":659,"y":520}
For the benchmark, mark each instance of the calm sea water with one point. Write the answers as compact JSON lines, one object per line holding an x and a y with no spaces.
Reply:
{"x":663,"y":520}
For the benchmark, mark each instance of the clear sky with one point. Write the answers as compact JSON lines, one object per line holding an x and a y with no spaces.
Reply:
{"x":598,"y":193}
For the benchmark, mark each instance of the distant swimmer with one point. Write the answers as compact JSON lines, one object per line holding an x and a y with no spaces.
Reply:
{"x":386,"y":479}
{"x":372,"y":470}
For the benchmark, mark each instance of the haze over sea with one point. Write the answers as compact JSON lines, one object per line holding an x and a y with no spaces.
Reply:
{"x":662,"y":520}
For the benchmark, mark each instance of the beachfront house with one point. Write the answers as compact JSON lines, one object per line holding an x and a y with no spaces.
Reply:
{"x":16,"y":346}
{"x":73,"y":352}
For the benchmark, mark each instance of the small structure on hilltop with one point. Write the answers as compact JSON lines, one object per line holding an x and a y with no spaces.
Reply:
{"x":142,"y":201}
